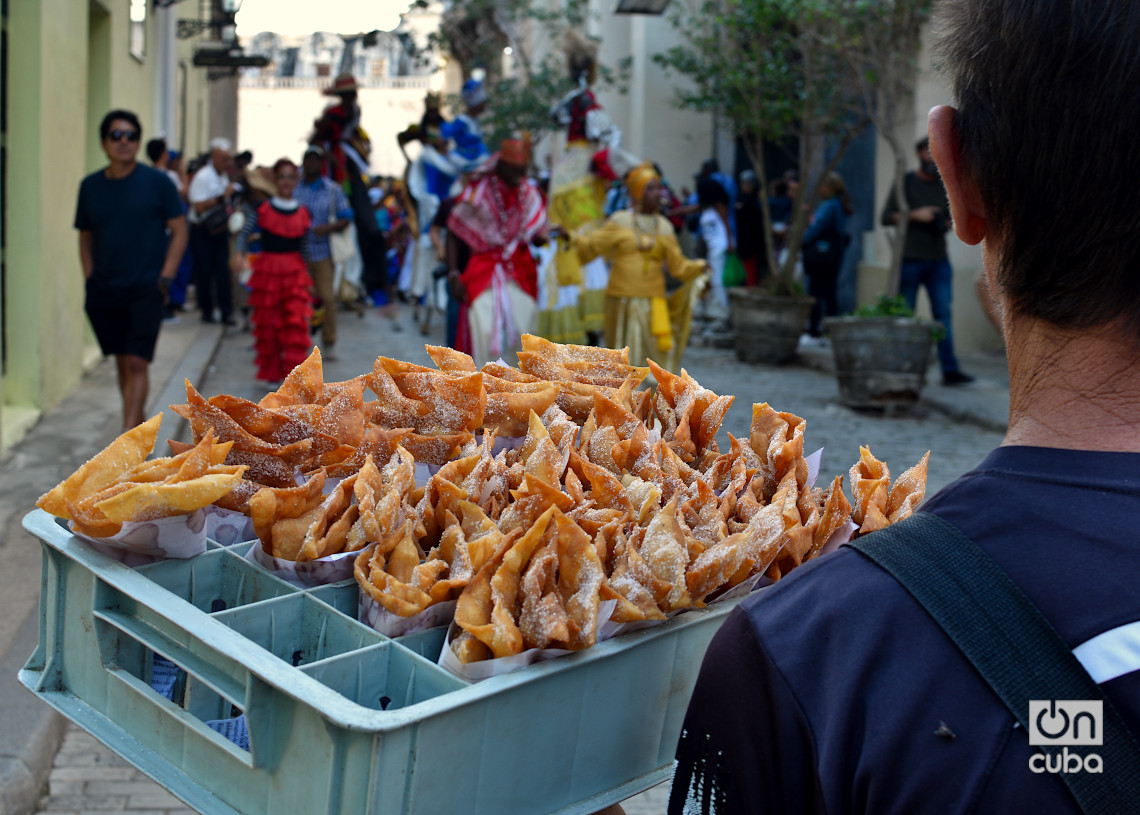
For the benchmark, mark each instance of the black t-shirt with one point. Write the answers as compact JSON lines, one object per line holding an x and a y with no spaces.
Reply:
{"x":127,"y":217}
{"x":923,"y":241}
{"x":750,"y":239}
{"x":828,"y":691}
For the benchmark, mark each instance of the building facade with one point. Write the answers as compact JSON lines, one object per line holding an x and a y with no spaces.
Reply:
{"x":65,"y":64}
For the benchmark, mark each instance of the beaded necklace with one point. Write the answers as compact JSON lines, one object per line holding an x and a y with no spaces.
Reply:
{"x":643,"y":245}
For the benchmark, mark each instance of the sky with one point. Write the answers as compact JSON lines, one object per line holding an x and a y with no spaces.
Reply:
{"x":307,"y":16}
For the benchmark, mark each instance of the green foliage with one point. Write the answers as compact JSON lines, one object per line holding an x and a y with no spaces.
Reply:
{"x":475,"y":32}
{"x":885,"y":306}
{"x":803,"y":71}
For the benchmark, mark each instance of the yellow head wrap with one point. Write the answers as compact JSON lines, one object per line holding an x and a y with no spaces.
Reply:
{"x":637,"y":180}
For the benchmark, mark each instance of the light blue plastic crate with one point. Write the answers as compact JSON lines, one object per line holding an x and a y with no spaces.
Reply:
{"x":341,"y":719}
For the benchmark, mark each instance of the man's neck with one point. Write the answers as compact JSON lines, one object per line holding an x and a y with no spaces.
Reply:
{"x":1052,"y":374}
{"x":311,"y":179}
{"x":121,"y":169}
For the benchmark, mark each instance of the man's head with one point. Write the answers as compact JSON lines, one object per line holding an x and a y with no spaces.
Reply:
{"x":927,"y":167}
{"x":156,"y":152}
{"x":345,"y":87}
{"x":749,"y":182}
{"x":119,"y":133}
{"x":1035,"y":158}
{"x":312,"y":163}
{"x":220,"y":154}
{"x":474,"y":97}
{"x":514,"y":158}
{"x":243,"y":160}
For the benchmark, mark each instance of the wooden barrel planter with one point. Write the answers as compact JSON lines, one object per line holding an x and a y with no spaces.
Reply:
{"x":880,"y":361}
{"x":767,"y":328}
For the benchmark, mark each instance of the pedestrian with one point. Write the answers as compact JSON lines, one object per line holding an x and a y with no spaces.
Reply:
{"x":466,"y":132}
{"x":716,"y":237}
{"x":169,"y":162}
{"x":438,"y":235}
{"x":824,"y":245}
{"x":159,"y":155}
{"x":209,"y":195}
{"x":497,"y":216}
{"x":330,"y":212}
{"x":924,"y":261}
{"x":132,"y":234}
{"x":751,"y":242}
{"x":369,"y":237}
{"x":280,"y":288}
{"x":430,"y":176}
{"x":640,"y":243}
{"x":835,"y":690}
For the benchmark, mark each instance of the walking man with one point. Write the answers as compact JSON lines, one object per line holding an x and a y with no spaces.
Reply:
{"x":924,"y":252}
{"x":209,"y":232}
{"x":131,"y":237}
{"x":329,"y":210}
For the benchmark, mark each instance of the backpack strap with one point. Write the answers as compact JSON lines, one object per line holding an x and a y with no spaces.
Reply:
{"x":1010,"y":643}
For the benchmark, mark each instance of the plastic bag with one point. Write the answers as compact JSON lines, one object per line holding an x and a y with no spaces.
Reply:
{"x":734,"y":272}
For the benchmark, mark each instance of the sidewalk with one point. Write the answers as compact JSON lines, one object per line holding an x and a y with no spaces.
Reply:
{"x":67,"y":435}
{"x":88,"y":777}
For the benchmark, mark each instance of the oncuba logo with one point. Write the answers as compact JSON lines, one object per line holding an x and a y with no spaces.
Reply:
{"x":1065,"y":723}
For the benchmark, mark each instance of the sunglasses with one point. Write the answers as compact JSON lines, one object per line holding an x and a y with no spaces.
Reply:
{"x":119,"y":135}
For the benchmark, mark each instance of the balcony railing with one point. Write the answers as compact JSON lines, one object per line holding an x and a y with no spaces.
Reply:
{"x":322,"y":82}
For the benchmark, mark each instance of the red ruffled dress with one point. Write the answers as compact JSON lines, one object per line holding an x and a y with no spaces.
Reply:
{"x":279,"y":292}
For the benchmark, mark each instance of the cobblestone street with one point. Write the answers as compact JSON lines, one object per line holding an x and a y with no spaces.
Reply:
{"x":88,"y":778}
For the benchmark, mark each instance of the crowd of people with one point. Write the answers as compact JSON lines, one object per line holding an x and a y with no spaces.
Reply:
{"x":599,"y":249}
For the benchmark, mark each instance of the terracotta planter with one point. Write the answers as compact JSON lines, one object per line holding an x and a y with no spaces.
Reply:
{"x":880,"y":361}
{"x":767,"y":328}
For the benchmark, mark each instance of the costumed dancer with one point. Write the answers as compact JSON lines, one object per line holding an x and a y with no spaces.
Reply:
{"x":573,"y":310}
{"x":641,"y":244}
{"x":465,"y":132}
{"x":497,"y":216}
{"x":337,"y":123}
{"x":280,"y":287}
{"x":430,"y":178}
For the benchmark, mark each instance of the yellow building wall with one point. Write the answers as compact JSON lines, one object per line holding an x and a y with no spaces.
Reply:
{"x":69,"y":64}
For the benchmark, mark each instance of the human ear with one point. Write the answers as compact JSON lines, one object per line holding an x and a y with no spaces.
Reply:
{"x":966,"y":207}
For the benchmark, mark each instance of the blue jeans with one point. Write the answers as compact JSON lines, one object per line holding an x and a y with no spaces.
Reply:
{"x":936,"y":276}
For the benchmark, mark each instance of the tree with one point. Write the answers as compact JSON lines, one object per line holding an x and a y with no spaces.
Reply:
{"x":879,"y":41}
{"x":476,"y":32}
{"x":782,"y":71}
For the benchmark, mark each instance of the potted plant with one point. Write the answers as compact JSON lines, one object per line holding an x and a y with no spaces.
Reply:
{"x":882,"y":351}
{"x":881,"y":354}
{"x":772,"y":69}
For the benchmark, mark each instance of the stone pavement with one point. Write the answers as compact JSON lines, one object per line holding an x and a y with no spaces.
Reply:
{"x":958,"y":425}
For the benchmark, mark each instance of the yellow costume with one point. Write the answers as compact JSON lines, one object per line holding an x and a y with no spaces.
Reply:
{"x":639,"y":248}
{"x":576,"y":201}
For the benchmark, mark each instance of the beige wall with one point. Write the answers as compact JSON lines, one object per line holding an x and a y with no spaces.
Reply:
{"x":972,"y":330}
{"x":70,"y":64}
{"x":653,"y":128}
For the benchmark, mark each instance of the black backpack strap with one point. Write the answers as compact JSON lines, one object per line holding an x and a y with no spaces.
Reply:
{"x":1010,"y":643}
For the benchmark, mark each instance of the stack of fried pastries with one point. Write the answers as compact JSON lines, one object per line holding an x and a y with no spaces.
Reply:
{"x":119,"y":485}
{"x":605,"y":492}
{"x":643,"y":510}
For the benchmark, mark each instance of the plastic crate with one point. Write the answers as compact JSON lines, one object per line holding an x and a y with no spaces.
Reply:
{"x":340,"y":718}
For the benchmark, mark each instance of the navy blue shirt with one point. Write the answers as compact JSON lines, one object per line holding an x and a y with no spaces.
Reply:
{"x":127,"y":217}
{"x":828,"y":691}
